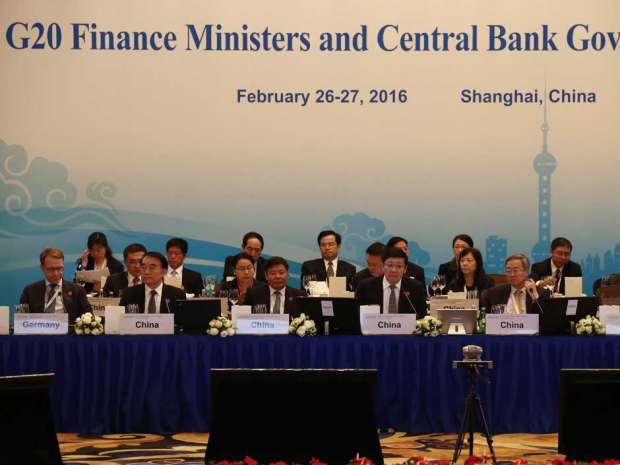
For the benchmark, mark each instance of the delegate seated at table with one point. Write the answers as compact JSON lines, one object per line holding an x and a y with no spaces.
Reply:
{"x":253,"y":245}
{"x":53,"y":294}
{"x":556,"y":268}
{"x":329,"y":265}
{"x":276,"y":297}
{"x":374,"y":264}
{"x":413,"y":270}
{"x":449,"y":269}
{"x":118,"y":282}
{"x":470,"y":275}
{"x":153,"y":296}
{"x":243,"y":265}
{"x":393,"y":292}
{"x":176,"y":251}
{"x":98,"y":256}
{"x":516,"y":295}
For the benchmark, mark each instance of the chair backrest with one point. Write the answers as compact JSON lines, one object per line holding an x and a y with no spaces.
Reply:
{"x":498,"y":278}
{"x":610,"y":280}
{"x":609,"y":295}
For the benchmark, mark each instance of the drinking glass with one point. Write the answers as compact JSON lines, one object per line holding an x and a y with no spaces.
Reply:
{"x":442,"y":282}
{"x":307,"y":279}
{"x":22,"y":308}
{"x":260,"y":308}
{"x":498,"y":308}
{"x":233,"y":296}
{"x":132,"y":308}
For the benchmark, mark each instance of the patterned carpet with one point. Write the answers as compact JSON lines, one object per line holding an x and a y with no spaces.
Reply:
{"x":188,"y":448}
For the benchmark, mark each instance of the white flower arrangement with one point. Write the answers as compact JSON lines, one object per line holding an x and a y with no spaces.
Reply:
{"x":590,"y":326}
{"x":302,"y":326}
{"x":221,"y":326}
{"x":428,"y":326}
{"x":88,"y":324}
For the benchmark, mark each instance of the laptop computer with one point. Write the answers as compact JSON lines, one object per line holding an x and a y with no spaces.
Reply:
{"x":346,"y":314}
{"x":554,"y":320}
{"x":193,"y":316}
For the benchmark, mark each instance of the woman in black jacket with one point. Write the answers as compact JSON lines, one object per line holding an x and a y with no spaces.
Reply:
{"x":470,"y":275}
{"x":97,"y":256}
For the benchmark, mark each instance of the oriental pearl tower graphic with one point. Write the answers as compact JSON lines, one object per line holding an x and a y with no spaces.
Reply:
{"x":544,"y":165}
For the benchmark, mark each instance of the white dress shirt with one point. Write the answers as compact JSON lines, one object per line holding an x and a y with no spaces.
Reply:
{"x":179,"y":271}
{"x":511,"y":306}
{"x":59,"y":307}
{"x":334,"y":265}
{"x":386,"y":295}
{"x":147,"y":297}
{"x":272,"y":298}
{"x":130,"y":279}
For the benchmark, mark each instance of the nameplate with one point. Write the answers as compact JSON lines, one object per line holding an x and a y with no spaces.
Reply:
{"x":262,"y":324}
{"x":610,"y":317}
{"x":327,"y":307}
{"x":145,"y":323}
{"x":388,"y":324}
{"x":239,"y":310}
{"x":99,"y":304}
{"x":511,"y":325}
{"x":41,"y":323}
{"x":112,"y":319}
{"x":4,"y":320}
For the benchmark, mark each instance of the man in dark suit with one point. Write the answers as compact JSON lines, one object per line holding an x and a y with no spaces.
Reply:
{"x":329,"y":264}
{"x":153,"y":296}
{"x":252,"y":244}
{"x":552,"y":271}
{"x":118,"y":282}
{"x":176,"y":251}
{"x":390,"y":291}
{"x":517,"y":296}
{"x":276,"y":297}
{"x":374,"y":264}
{"x":413,"y":270}
{"x":53,"y":294}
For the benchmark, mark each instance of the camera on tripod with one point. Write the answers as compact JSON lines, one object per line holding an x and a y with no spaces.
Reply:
{"x":472,"y":358}
{"x":474,"y":413}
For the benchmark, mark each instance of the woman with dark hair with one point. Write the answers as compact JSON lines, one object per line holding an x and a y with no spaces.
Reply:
{"x":470,"y":275}
{"x":98,"y":256}
{"x":449,"y":269}
{"x":236,"y":289}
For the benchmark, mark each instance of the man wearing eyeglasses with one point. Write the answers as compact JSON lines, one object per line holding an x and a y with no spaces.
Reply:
{"x":153,"y":296}
{"x":118,"y":282}
{"x":519,"y":294}
{"x":53,"y":294}
{"x":251,"y":244}
{"x":552,"y":271}
{"x":390,"y":291}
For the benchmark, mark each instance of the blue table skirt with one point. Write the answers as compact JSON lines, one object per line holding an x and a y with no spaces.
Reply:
{"x":114,"y":384}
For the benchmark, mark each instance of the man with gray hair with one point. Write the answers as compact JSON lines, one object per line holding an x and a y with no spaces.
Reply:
{"x":518,"y":294}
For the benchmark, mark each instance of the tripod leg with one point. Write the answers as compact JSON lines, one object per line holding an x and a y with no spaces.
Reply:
{"x":472,"y":418}
{"x":485,"y":428}
{"x":460,"y":439}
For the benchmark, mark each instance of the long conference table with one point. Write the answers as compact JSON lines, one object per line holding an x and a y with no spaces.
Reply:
{"x":115,"y":384}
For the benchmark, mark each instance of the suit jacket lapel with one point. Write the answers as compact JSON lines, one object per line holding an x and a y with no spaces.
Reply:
{"x":67,"y":296}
